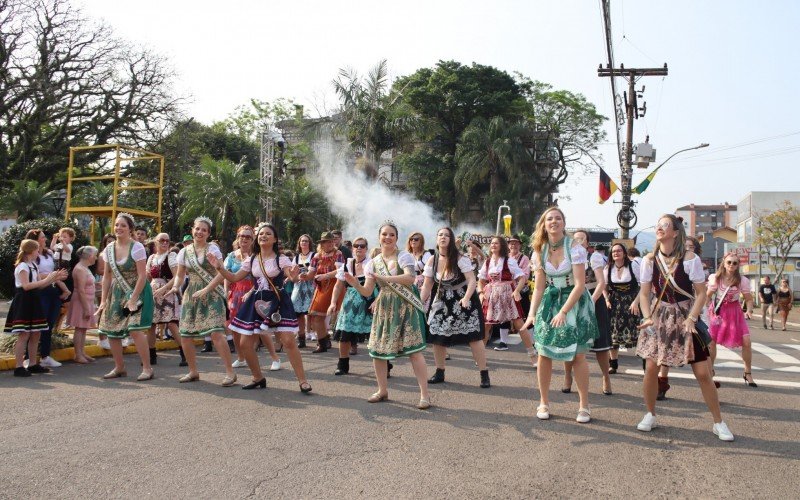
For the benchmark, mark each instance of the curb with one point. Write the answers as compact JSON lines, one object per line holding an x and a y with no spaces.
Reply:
{"x":68,"y":354}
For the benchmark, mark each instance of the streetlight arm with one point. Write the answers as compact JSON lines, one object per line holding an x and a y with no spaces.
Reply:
{"x":703,"y":145}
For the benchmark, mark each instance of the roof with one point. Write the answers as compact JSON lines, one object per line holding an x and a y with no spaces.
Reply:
{"x":694,"y":207}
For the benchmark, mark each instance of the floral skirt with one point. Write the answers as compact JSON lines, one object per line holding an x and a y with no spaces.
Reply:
{"x":354,"y":321}
{"x":166,"y":308}
{"x":574,"y":337}
{"x":398,"y":328}
{"x":302,"y":293}
{"x":236,"y":293}
{"x":201,"y":317}
{"x":666,"y":342}
{"x":115,"y":324}
{"x":498,"y":303}
{"x":729,"y":327}
{"x":624,"y":331}
{"x":449,"y":323}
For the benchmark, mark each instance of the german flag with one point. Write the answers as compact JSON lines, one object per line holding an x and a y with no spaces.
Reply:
{"x":607,"y":187}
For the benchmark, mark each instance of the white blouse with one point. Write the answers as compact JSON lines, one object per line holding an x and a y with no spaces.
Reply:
{"x":404,"y":261}
{"x":211,"y":248}
{"x":577,"y":253}
{"x":350,"y":265}
{"x":21,"y":268}
{"x":270,"y":266}
{"x":496,"y":267}
{"x":692,"y":267}
{"x":137,"y":252}
{"x":46,"y":264}
{"x":157,"y":260}
{"x":464,"y":265}
{"x":625,"y":275}
{"x":524,"y":263}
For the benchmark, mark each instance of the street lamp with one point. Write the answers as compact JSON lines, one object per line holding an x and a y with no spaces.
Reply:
{"x":701,"y":145}
{"x":57,"y":198}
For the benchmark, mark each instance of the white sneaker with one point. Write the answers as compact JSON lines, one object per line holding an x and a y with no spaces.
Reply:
{"x":543,"y":412}
{"x":105,"y":344}
{"x":648,"y":423}
{"x":276,"y":365}
{"x":722,"y":432}
{"x":584,"y":416}
{"x":238,"y":364}
{"x":125,"y":342}
{"x":49,"y":362}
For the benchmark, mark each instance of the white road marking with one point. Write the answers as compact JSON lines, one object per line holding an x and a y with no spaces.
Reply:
{"x":775,"y":355}
{"x":792,"y":346}
{"x":768,"y":383}
{"x":725,"y":353}
{"x":733,"y":364}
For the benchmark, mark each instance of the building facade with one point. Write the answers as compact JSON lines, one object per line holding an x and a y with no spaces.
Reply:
{"x":701,"y":221}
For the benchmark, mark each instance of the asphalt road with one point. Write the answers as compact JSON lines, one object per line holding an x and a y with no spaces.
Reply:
{"x":72,"y":434}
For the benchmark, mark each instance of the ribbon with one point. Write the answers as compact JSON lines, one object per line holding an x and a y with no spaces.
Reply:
{"x":404,"y":292}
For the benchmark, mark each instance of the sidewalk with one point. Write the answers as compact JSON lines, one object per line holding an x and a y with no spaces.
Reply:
{"x":792,"y":320}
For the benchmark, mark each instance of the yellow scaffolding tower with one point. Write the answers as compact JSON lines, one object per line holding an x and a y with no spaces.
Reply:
{"x":110,"y":212}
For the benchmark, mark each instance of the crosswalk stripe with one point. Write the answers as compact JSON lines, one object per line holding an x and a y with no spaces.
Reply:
{"x":775,"y":355}
{"x":734,"y":364}
{"x":760,"y":381}
{"x":792,"y":346}
{"x":725,"y":353}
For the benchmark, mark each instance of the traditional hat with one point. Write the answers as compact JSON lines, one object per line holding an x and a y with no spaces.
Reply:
{"x":514,"y":237}
{"x":326,"y":236}
{"x":186,"y":238}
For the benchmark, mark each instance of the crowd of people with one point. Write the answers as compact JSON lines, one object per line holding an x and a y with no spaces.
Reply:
{"x":567,"y":299}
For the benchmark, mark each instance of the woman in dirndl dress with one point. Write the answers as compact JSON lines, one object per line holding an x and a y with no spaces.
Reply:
{"x":561,"y":309}
{"x":668,"y":334}
{"x":204,"y":304}
{"x":323,"y":271}
{"x":354,"y":321}
{"x":161,"y":267}
{"x":785,"y":297}
{"x":622,"y":280}
{"x":398,"y":323}
{"x":727,"y":323}
{"x":268,"y":309}
{"x":303,"y":290}
{"x":126,"y":303}
{"x":455,"y":316}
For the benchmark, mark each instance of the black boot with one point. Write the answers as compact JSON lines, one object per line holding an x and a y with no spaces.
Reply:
{"x":614,"y":366}
{"x":231,"y":345}
{"x":301,"y":342}
{"x":343,"y":367}
{"x":438,"y":377}
{"x":183,"y":357}
{"x":322,"y":345}
{"x":389,"y":367}
{"x":153,"y":356}
{"x":485,"y":384}
{"x":208,"y":346}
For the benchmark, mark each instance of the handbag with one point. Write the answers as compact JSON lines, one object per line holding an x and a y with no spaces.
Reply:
{"x":269,"y":309}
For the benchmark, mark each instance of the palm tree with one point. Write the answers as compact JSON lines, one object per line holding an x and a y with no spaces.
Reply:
{"x":489,"y":150}
{"x":29,"y":199}
{"x":300,"y":208}
{"x":223,"y":191}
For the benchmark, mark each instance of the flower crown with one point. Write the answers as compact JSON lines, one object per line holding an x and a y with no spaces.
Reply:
{"x":127,"y":216}
{"x":205,"y":219}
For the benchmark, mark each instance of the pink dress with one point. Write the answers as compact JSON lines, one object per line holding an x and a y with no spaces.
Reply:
{"x":729,"y":326}
{"x":75,"y":311}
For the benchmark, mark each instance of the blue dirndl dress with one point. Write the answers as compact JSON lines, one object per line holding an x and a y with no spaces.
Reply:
{"x":249,"y":321}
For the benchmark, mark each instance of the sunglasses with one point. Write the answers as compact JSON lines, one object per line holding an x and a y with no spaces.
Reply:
{"x":245,"y":237}
{"x":731,"y":263}
{"x":359,"y":245}
{"x":162,"y":240}
{"x":664,"y":225}
{"x":415,"y":238}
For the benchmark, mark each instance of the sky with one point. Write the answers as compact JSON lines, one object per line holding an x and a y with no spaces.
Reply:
{"x":731,"y":79}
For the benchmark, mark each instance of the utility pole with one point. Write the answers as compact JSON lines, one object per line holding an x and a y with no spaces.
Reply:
{"x":627,"y":217}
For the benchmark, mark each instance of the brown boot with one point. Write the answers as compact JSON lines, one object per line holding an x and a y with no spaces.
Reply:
{"x":323,"y":345}
{"x":663,"y":387}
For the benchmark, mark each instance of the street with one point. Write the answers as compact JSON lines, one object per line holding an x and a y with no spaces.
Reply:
{"x":71,"y":434}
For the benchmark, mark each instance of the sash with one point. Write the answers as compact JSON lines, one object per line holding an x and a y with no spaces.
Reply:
{"x":404,"y":292}
{"x":665,"y":271}
{"x":191,"y":258}
{"x":719,"y":298}
{"x":112,"y":261}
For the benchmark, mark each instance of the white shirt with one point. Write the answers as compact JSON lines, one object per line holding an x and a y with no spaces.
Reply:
{"x":270,"y":266}
{"x":21,"y":268}
{"x":137,"y":252}
{"x":693,"y":267}
{"x":420,"y":266}
{"x":464,"y":265}
{"x":46,"y":264}
{"x":349,"y":265}
{"x":211,"y":248}
{"x":404,"y":261}
{"x":577,"y":253}
{"x":625,"y":275}
{"x":157,"y":260}
{"x":524,"y":263}
{"x":63,"y":252}
{"x":496,"y":267}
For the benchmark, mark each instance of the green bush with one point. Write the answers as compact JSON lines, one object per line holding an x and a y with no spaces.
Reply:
{"x":9,"y":246}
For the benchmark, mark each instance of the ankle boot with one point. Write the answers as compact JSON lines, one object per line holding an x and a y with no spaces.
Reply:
{"x":231,"y":346}
{"x":485,"y":383}
{"x":301,"y":341}
{"x":208,"y":346}
{"x":438,"y":377}
{"x":183,"y":357}
{"x":614,"y":365}
{"x":389,"y":367}
{"x":323,"y":345}
{"x":663,"y":387}
{"x":153,"y":356}
{"x":343,"y":367}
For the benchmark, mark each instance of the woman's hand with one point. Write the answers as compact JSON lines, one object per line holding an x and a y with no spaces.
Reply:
{"x":198,"y":295}
{"x":645,"y":324}
{"x":528,"y":322}
{"x":748,"y":315}
{"x":213,"y":260}
{"x":332,"y":310}
{"x":689,"y":325}
{"x":59,"y":275}
{"x":100,"y":309}
{"x":131,"y":304}
{"x":320,"y":278}
{"x":465,"y":302}
{"x":559,"y":319}
{"x":634,"y":309}
{"x":350,"y":279}
{"x":516,"y":296}
{"x":608,"y":304}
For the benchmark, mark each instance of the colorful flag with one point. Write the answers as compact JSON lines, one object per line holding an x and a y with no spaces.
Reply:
{"x":607,"y":186}
{"x":645,"y":183}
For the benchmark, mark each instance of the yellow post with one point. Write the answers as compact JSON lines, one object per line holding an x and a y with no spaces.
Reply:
{"x":116,"y":187}
{"x":160,"y":194}
{"x":69,"y":182}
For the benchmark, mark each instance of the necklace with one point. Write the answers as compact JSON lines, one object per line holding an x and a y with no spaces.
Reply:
{"x":558,"y":243}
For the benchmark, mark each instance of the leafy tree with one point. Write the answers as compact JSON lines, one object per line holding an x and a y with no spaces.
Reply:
{"x":299,"y":208}
{"x":29,"y":199}
{"x":779,"y":231}
{"x":66,"y":81}
{"x":223,"y":191}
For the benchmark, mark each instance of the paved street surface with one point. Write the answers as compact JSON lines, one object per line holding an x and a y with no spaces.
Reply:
{"x":71,"y":434}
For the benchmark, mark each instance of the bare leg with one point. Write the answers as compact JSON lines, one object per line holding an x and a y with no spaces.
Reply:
{"x":151,"y":337}
{"x":23,"y":342}
{"x":567,"y":375}
{"x":524,"y":335}
{"x":712,"y":351}
{"x":614,"y":354}
{"x":440,"y":353}
{"x":581,"y":368}
{"x":116,"y":353}
{"x":478,"y":354}
{"x":420,"y":371}
{"x":747,"y":356}
{"x":703,"y":377}
{"x":543,"y":374}
{"x":650,"y":385}
{"x":293,"y":353}
{"x":79,"y":340}
{"x":248,"y":349}
{"x":191,"y":356}
{"x":237,"y":341}
{"x":487,"y":333}
{"x":381,"y":367}
{"x":33,"y":347}
{"x":602,"y":360}
{"x":267,"y":340}
{"x":344,"y":349}
{"x":141,"y":340}
{"x":221,"y":345}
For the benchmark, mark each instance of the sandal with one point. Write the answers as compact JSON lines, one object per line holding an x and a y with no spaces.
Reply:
{"x":378,"y":398}
{"x":115,"y":374}
{"x":189,"y":378}
{"x":228,"y":380}
{"x":145,"y":376}
{"x":305,"y":387}
{"x":543,"y":412}
{"x":423,"y":404}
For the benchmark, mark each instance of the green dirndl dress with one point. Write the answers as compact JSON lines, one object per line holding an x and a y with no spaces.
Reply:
{"x":201,"y":317}
{"x":113,"y":322}
{"x":577,"y":335}
{"x":398,"y":327}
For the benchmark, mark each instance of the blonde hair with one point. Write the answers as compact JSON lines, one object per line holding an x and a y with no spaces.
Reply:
{"x":540,"y":232}
{"x":680,"y":240}
{"x":26,"y":247}
{"x":68,"y":230}
{"x":396,"y":235}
